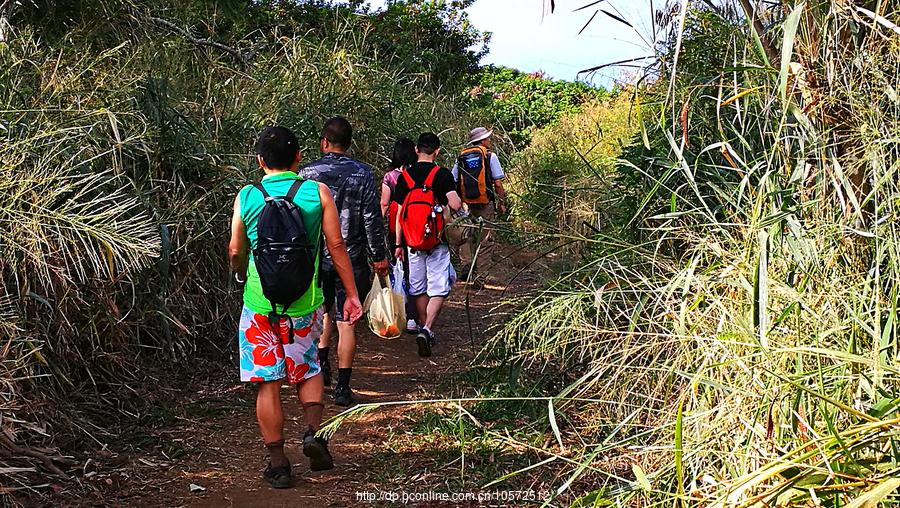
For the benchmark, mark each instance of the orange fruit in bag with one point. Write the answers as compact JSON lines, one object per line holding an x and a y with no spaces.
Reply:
{"x":392,"y":330}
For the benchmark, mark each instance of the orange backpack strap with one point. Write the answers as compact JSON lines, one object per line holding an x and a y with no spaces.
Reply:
{"x":478,"y":148}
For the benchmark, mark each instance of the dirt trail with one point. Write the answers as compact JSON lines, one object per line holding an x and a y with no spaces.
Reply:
{"x":224,"y":452}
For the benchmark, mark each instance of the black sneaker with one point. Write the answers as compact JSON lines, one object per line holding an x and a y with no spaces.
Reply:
{"x":343,"y":396}
{"x":424,"y":340}
{"x":316,"y":449}
{"x":326,"y":373}
{"x":278,"y":477}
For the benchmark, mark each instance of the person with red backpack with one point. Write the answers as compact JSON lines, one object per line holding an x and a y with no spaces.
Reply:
{"x":422,"y":191}
{"x":479,"y":179}
{"x":404,"y":156}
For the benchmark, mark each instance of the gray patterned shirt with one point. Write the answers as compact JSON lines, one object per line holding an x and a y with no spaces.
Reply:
{"x":352,"y":184}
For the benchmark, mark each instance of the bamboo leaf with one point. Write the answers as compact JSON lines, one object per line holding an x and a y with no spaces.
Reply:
{"x":787,"y":48}
{"x":679,"y":444}
{"x":552,"y":415}
{"x":640,"y":120}
{"x":588,"y":23}
{"x":871,"y":498}
{"x":761,"y":291}
{"x":641,"y":478}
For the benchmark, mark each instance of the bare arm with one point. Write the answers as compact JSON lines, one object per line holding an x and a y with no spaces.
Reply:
{"x":500,"y":191}
{"x":331,"y":227}
{"x":385,"y":200}
{"x":239,"y":246}
{"x":399,"y":251}
{"x":498,"y":175}
{"x":453,"y":201}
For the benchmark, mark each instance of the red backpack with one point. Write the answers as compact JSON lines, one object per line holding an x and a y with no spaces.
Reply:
{"x":421,"y":222}
{"x":392,"y":217}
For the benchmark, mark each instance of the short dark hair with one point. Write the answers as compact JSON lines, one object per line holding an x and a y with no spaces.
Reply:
{"x":404,"y":153}
{"x":338,"y":131}
{"x":428,"y":142}
{"x":278,"y":147}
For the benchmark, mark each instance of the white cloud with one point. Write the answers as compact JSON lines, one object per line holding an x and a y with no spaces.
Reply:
{"x":526,"y":39}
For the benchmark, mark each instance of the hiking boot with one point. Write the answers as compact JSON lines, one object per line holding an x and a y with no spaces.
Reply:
{"x":424,"y":340}
{"x":343,"y":396}
{"x":278,"y":477}
{"x":316,"y":448}
{"x":412,"y":326}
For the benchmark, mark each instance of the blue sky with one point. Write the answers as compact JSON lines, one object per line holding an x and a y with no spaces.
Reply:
{"x":529,"y":39}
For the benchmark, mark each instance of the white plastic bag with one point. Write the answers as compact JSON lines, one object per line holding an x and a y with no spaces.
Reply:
{"x":386,"y":311}
{"x":453,"y":276}
{"x":398,"y":281}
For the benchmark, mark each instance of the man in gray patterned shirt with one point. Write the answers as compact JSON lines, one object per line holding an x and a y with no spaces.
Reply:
{"x":352,"y":184}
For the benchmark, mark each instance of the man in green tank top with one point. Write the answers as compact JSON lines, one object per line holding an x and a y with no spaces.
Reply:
{"x":266,"y":358}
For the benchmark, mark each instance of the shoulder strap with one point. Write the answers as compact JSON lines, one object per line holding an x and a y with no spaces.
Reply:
{"x":262,"y":189}
{"x":409,"y":180}
{"x":295,"y":188}
{"x":429,"y":182}
{"x":477,"y":148}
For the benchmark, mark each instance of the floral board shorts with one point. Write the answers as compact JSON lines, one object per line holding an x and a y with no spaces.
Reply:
{"x":267,"y":356}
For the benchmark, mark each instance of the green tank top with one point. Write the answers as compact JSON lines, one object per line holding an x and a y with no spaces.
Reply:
{"x":251,"y":204}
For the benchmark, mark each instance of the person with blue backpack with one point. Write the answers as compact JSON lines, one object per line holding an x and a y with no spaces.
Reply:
{"x":277,"y":229}
{"x":479,"y":179}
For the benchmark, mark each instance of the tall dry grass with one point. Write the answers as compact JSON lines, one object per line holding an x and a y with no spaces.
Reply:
{"x":741,"y":352}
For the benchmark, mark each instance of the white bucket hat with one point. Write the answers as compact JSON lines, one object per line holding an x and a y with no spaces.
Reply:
{"x":479,"y":134}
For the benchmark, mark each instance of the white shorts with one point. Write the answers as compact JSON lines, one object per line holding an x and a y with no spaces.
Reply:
{"x":430,"y":272}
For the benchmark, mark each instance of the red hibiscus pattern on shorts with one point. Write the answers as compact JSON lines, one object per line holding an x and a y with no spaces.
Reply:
{"x":268,"y":349}
{"x":295,"y":372}
{"x":303,"y":331}
{"x":266,"y":355}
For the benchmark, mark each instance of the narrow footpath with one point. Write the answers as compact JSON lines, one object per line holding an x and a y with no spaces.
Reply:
{"x":211,"y":454}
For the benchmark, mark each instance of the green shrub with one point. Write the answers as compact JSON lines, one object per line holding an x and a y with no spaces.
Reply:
{"x":564,"y":181}
{"x":522,"y":103}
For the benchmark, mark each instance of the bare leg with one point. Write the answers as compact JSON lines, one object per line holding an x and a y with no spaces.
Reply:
{"x":346,"y":344}
{"x":422,"y":308}
{"x":269,"y":412}
{"x":316,"y":448}
{"x":435,"y":304}
{"x":466,"y":254}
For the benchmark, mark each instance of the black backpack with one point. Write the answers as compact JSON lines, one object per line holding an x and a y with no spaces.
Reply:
{"x":284,"y":258}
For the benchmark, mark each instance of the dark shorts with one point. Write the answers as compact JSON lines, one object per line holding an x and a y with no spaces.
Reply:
{"x":333,"y":288}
